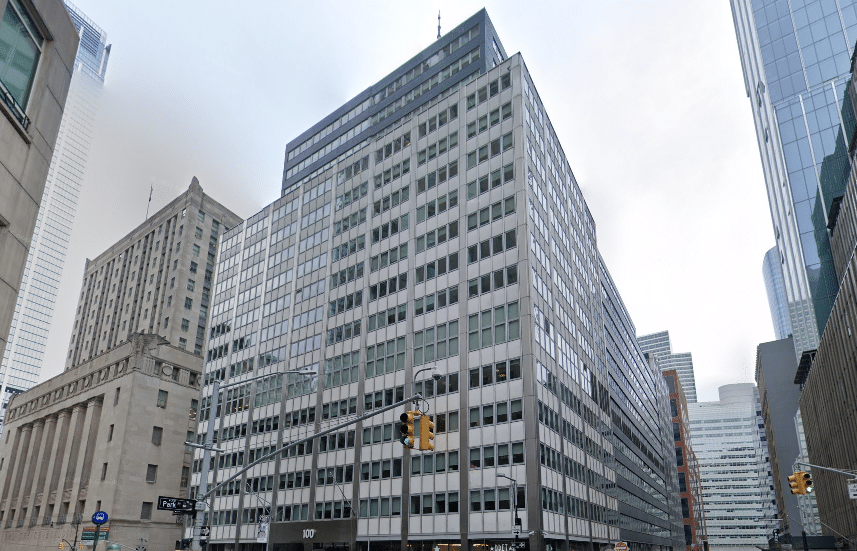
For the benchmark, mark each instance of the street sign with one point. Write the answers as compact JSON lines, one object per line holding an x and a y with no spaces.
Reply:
{"x":176,"y":504}
{"x":205,"y":531}
{"x":88,"y":534}
{"x":99,"y":518}
{"x":852,"y":488}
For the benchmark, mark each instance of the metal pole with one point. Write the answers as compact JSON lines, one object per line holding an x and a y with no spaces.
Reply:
{"x":838,"y":471}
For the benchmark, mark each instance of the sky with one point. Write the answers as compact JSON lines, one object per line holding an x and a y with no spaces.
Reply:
{"x":646,"y":97}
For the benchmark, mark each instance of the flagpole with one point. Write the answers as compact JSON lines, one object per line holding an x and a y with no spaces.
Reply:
{"x":151,"y":188}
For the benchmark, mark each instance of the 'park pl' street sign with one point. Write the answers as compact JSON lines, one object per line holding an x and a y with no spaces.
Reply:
{"x":176,"y":504}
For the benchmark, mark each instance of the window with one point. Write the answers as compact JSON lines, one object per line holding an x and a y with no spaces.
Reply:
{"x":146,"y":511}
{"x":166,"y":322}
{"x":492,"y":326}
{"x":191,"y":285}
{"x":116,"y":397}
{"x":198,"y":232}
{"x":21,"y":52}
{"x":162,"y":399}
{"x":104,"y":469}
{"x":110,"y":434}
{"x":193,"y":267}
{"x":157,"y":433}
{"x":152,"y":474}
{"x":185,"y":324}
{"x":188,"y":303}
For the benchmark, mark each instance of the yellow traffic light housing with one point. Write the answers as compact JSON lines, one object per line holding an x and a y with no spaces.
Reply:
{"x":800,"y":483}
{"x":426,"y":434}
{"x":407,"y":429}
{"x":61,"y":545}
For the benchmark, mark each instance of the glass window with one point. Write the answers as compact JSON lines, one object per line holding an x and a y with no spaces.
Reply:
{"x":476,"y":458}
{"x":19,"y":56}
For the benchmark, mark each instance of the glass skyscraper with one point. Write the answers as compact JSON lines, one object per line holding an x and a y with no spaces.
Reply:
{"x":659,"y":345}
{"x":775,"y":287}
{"x":796,"y":56}
{"x":22,"y":360}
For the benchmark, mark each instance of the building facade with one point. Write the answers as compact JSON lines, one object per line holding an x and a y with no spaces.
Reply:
{"x":433,"y":222}
{"x":28,"y":335}
{"x":658,"y":344}
{"x":796,"y":63}
{"x":156,"y":279}
{"x":775,"y":368}
{"x":35,"y":72}
{"x":775,"y":288}
{"x":107,"y":436}
{"x":689,"y":478}
{"x":828,"y":383}
{"x":737,"y":485}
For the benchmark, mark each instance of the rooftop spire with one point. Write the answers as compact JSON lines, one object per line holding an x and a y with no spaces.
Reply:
{"x":438,"y":23}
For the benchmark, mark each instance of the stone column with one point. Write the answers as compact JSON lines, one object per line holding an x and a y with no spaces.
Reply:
{"x":47,"y":455}
{"x":57,"y":455}
{"x":90,"y":434}
{"x":70,"y":449}
{"x":21,"y":465}
{"x":10,"y":467}
{"x":32,"y":461}
{"x":78,"y":414}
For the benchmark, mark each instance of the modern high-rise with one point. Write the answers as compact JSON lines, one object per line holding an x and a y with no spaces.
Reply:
{"x":156,"y":280}
{"x":775,"y":287}
{"x":28,"y":335}
{"x":796,"y":62}
{"x":737,"y":487}
{"x":433,"y":221}
{"x":36,"y":65}
{"x":659,"y":345}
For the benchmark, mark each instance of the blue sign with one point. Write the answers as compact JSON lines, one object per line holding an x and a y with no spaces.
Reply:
{"x":99,"y":518}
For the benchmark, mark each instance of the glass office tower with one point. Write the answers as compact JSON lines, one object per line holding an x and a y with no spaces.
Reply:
{"x":433,"y":222}
{"x":775,"y":287}
{"x":28,"y":336}
{"x":795,"y":56}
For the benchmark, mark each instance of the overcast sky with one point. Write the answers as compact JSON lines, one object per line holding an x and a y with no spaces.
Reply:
{"x":646,"y":97}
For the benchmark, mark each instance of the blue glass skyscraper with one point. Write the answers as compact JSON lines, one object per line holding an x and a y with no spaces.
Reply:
{"x":775,"y":287}
{"x":795,"y":56}
{"x":22,"y":360}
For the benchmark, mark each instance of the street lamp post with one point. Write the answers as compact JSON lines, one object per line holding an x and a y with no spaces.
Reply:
{"x":515,"y":520}
{"x":209,"y":444}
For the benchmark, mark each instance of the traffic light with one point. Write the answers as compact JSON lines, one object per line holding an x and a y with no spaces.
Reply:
{"x":61,"y":545}
{"x":426,"y":434}
{"x":407,"y":429}
{"x":801,"y":483}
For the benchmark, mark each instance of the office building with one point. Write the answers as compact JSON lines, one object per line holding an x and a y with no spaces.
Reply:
{"x":775,"y":287}
{"x":156,"y":279}
{"x":796,"y":63}
{"x":28,"y":335}
{"x":659,"y":345}
{"x":828,"y":381}
{"x":689,"y":478}
{"x":106,"y":436}
{"x":775,"y":368}
{"x":737,"y":487}
{"x":35,"y":70}
{"x":433,"y":222}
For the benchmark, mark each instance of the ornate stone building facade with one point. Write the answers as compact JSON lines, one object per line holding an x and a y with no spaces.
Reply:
{"x":105,"y":436}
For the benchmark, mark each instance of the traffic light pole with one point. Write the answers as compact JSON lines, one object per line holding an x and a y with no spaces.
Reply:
{"x":204,"y":492}
{"x":838,"y":471}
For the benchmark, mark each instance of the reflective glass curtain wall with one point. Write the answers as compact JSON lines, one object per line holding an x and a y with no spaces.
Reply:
{"x":795,"y":56}
{"x":28,"y":335}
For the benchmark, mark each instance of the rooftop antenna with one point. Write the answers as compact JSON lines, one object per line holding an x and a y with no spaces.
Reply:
{"x":438,"y":23}
{"x":151,"y":189}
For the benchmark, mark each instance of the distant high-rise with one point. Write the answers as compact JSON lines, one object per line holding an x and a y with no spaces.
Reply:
{"x":796,"y":62}
{"x":659,"y":345}
{"x":730,"y":444}
{"x":28,"y":336}
{"x":775,"y":286}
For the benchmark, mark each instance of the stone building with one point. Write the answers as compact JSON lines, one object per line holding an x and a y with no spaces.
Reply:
{"x":690,"y":482}
{"x":41,"y":40}
{"x":156,"y":279}
{"x":105,"y":436}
